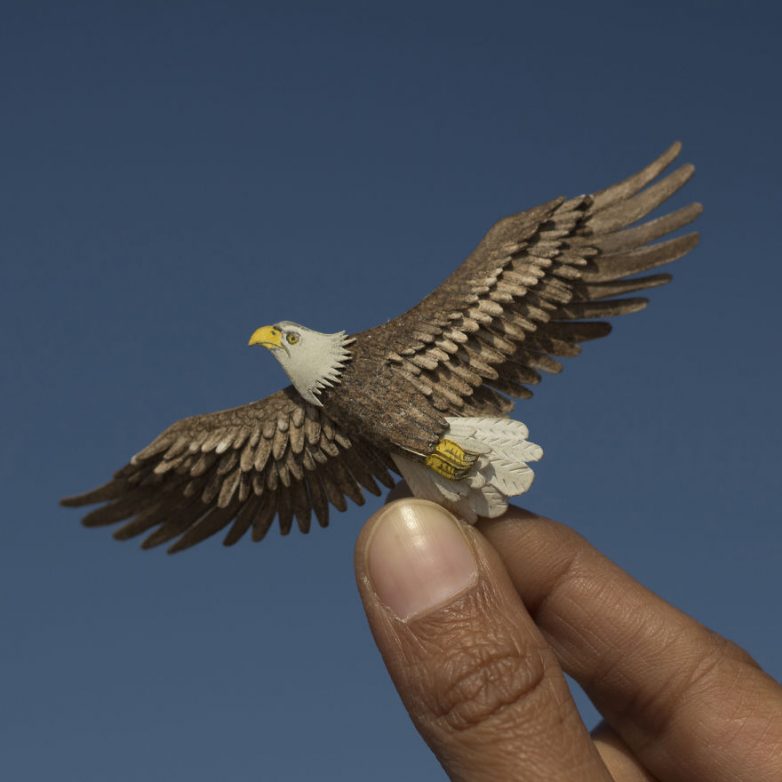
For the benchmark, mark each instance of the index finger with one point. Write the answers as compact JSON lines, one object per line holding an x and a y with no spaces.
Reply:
{"x":689,"y":703}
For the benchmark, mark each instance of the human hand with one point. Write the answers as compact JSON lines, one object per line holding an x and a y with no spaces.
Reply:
{"x":477,"y":624}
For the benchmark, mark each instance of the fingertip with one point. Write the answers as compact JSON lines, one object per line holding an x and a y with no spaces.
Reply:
{"x":365,"y":534}
{"x":417,"y":557}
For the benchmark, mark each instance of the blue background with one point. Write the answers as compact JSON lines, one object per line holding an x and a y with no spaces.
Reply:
{"x":175,"y":174}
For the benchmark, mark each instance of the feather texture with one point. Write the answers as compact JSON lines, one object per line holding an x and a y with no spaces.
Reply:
{"x":538,"y":285}
{"x":500,"y":471}
{"x":247,"y":465}
{"x":539,"y":279}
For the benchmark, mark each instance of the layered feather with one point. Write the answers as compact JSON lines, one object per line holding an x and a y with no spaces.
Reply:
{"x":533,"y":288}
{"x":279,"y":457}
{"x":501,"y":470}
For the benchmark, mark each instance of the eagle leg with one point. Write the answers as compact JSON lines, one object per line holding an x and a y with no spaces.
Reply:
{"x":450,"y":460}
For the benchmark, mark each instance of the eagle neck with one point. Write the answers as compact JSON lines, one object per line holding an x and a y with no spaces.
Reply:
{"x":318,"y":367}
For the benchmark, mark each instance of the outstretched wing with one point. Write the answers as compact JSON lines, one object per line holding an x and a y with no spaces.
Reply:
{"x":532,"y":289}
{"x":276,"y":457}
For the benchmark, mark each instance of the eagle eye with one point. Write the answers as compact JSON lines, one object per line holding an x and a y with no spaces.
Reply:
{"x":292,"y":338}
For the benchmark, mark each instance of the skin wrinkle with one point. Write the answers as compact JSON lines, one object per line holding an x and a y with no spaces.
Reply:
{"x":737,"y":723}
{"x":703,"y":692}
{"x":570,"y":577}
{"x":476,"y":681}
{"x":611,"y":679}
{"x":480,"y":708}
{"x":478,"y":695}
{"x":688,"y":704}
{"x":669,"y":703}
{"x":569,"y":572}
{"x":580,"y":635}
{"x":663,"y":639}
{"x":567,"y":575}
{"x":660,"y":709}
{"x":775,"y":746}
{"x":576,"y":586}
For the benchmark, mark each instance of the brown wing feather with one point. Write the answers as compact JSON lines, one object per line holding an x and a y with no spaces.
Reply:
{"x":276,"y":457}
{"x":527,"y":293}
{"x":531,"y":288}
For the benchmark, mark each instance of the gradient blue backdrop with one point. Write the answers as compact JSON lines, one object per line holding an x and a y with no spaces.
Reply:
{"x":175,"y":174}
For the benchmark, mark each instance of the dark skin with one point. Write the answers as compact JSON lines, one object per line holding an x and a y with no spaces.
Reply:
{"x":481,"y":671}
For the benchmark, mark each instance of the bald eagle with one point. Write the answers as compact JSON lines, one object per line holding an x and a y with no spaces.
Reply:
{"x":425,"y":395}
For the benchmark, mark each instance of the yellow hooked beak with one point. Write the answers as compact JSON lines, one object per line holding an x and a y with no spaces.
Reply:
{"x":267,"y":336}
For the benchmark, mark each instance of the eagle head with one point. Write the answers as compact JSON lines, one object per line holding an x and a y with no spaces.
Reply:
{"x":312,"y":360}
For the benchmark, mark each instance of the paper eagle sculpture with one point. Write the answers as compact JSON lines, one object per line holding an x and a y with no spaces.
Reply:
{"x":425,"y":395}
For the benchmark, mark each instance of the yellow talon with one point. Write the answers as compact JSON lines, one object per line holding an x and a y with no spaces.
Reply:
{"x":450,"y":460}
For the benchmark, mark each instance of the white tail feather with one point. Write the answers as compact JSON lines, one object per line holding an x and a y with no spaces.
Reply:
{"x":501,"y":470}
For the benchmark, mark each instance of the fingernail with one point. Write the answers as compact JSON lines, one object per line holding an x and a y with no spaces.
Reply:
{"x":418,"y":558}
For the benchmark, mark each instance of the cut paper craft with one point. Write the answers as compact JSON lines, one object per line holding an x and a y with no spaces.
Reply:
{"x":425,"y":395}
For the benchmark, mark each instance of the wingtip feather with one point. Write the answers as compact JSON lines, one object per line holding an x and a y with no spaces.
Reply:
{"x":626,"y":188}
{"x":109,"y":491}
{"x":72,"y":502}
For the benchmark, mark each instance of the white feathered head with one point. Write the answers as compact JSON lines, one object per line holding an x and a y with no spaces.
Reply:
{"x":312,"y":360}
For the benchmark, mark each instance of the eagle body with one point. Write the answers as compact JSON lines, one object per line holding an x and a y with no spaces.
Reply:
{"x":388,"y":411}
{"x":426,"y":395}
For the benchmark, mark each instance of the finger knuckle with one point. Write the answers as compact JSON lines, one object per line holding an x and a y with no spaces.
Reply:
{"x":483,"y":682}
{"x":709,"y":671}
{"x":720,"y":660}
{"x":732,"y":653}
